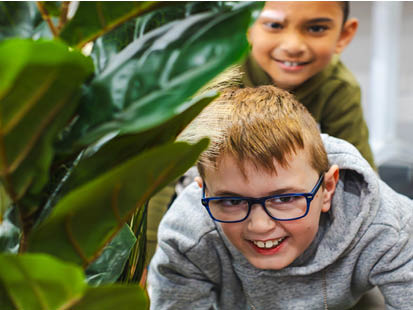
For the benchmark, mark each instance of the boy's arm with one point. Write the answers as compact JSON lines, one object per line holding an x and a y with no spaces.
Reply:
{"x":342,"y":117}
{"x":185,"y":271}
{"x":393,"y":271}
{"x":175,"y":283}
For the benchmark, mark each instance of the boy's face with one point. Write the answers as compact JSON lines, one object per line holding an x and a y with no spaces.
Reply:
{"x":292,"y":41}
{"x":297,"y":235}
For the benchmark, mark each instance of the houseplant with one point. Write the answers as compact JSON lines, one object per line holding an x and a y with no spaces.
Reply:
{"x":86,"y":140}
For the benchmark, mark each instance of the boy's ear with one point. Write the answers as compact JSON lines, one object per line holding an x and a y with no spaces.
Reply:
{"x":249,"y":34}
{"x":199,"y":181}
{"x":347,"y":34}
{"x":330,"y":182}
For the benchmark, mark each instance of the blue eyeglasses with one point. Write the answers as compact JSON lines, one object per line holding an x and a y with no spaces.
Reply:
{"x":284,"y":207}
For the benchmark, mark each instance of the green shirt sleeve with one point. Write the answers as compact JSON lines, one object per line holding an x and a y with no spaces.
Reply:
{"x":342,"y":117}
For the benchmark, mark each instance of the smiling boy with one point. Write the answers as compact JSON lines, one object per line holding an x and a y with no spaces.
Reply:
{"x":280,"y":217}
{"x":296,"y":46}
{"x":265,"y":243}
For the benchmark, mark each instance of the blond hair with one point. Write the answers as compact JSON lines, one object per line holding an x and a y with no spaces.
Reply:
{"x":256,"y":125}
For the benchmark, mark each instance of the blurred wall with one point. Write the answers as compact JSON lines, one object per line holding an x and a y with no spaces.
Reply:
{"x":357,"y":57}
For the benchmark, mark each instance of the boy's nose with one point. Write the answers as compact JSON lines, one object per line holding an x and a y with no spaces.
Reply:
{"x":259,"y":221}
{"x":293,"y":45}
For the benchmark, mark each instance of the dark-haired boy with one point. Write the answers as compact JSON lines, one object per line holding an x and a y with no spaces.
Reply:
{"x":296,"y":46}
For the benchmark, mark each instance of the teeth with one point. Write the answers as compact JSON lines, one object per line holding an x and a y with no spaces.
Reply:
{"x":268,"y":244}
{"x":291,"y":64}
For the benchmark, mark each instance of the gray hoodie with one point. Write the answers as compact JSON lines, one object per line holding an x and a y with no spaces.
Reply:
{"x":365,"y":240}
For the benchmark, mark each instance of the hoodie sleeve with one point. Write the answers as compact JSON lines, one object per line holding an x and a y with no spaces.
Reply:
{"x":391,"y":253}
{"x":185,"y":271}
{"x":393,"y":273}
{"x":176,"y":283}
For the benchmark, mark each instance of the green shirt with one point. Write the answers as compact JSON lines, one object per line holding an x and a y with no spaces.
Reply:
{"x":333,"y":98}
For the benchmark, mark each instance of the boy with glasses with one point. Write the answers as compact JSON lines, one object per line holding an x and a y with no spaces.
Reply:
{"x":280,"y":217}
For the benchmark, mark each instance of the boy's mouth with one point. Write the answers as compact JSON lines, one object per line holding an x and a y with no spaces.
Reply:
{"x":292,"y":64}
{"x":269,"y":244}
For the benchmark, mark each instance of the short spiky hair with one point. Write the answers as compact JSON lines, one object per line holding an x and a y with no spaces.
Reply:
{"x":256,"y":125}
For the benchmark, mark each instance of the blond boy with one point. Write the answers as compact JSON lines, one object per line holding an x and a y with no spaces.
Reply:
{"x":280,"y":217}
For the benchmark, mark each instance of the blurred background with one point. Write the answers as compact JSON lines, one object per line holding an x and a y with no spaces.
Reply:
{"x":380,"y":58}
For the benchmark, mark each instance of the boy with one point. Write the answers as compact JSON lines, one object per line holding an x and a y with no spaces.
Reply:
{"x":296,"y":46}
{"x":279,"y":227}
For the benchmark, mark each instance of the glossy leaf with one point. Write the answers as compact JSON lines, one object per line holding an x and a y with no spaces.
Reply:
{"x":106,"y":46}
{"x":39,"y":82}
{"x":91,"y":215}
{"x":41,"y":282}
{"x":38,"y":282}
{"x":119,"y":297}
{"x":137,"y":260}
{"x":98,"y":160}
{"x":94,"y":19}
{"x":109,"y":266}
{"x":181,"y":10}
{"x":149,"y":81}
{"x":18,"y":19}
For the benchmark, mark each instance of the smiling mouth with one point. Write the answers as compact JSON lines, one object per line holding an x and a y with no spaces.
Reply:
{"x":292,"y":64}
{"x":269,"y":244}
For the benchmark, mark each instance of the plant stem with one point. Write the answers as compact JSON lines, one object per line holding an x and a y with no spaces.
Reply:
{"x":63,"y":15}
{"x":46,"y":17}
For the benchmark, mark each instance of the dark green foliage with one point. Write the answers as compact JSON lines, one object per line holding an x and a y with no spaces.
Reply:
{"x":85,"y":141}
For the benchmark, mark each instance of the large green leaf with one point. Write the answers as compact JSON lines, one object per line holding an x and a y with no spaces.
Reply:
{"x":86,"y":219}
{"x":41,"y":282}
{"x":39,"y":82}
{"x":136,"y":263}
{"x":18,"y":19}
{"x":94,"y":19}
{"x":31,"y":282}
{"x":150,"y":80}
{"x":108,"y":45}
{"x":98,"y":160}
{"x":109,"y":266}
{"x":119,"y":297}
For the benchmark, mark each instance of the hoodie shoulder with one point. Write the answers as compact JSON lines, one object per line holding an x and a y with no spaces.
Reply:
{"x":345,"y":155}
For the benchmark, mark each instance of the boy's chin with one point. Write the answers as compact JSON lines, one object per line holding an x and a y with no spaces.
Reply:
{"x":268,"y":264}
{"x":289,"y":84}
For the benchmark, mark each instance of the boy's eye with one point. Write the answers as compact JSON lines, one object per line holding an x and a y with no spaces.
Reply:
{"x":286,"y":199}
{"x":274,"y":25}
{"x":282,"y":200}
{"x":317,"y":28}
{"x":231,"y":202}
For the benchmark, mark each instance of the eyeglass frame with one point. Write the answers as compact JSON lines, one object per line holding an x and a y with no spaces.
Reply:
{"x":261,"y":200}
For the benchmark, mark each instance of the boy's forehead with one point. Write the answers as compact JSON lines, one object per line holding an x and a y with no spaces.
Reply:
{"x":281,"y":10}
{"x":229,"y":175}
